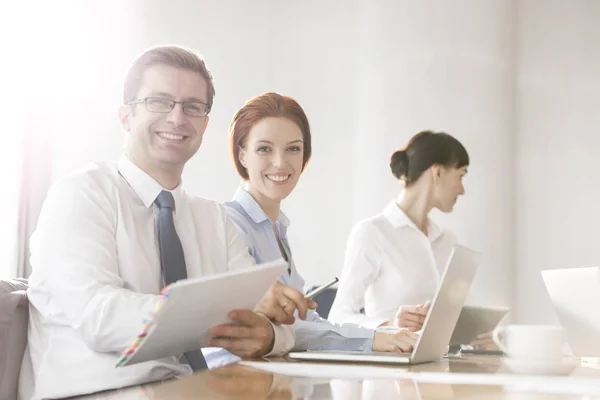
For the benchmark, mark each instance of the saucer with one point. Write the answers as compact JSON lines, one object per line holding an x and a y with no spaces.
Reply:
{"x":565,"y":367}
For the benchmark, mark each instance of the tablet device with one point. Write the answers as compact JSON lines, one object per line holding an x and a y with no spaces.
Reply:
{"x":189,"y":308}
{"x":475,"y":320}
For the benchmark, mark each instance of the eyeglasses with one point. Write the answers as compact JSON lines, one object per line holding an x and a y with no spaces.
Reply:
{"x":165,"y":106}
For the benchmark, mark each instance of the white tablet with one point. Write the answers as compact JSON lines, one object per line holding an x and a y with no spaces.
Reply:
{"x":475,"y":320}
{"x":193,"y":306}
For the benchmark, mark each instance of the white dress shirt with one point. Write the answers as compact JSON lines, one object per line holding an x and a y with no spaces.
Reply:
{"x":314,"y":333}
{"x":97,"y":276}
{"x":389,"y":263}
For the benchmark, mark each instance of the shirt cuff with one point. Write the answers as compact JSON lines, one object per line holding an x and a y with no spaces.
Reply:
{"x":374,"y":323}
{"x":388,"y":329}
{"x":284,"y":340}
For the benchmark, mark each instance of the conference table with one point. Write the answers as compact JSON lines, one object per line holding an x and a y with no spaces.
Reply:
{"x":459,"y":377}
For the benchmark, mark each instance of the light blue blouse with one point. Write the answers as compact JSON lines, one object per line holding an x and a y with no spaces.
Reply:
{"x":315,"y":333}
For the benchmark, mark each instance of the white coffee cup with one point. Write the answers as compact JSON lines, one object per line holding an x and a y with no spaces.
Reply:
{"x":531,"y":342}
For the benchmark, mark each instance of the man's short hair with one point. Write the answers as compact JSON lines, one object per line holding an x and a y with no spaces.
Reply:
{"x":173,"y":56}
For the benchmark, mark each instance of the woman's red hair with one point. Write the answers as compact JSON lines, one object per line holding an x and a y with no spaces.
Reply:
{"x":266,"y":105}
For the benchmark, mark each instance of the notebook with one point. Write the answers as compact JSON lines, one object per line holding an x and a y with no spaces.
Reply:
{"x":189,"y":308}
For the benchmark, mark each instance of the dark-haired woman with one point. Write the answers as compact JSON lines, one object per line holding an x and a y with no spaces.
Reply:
{"x":394,"y":260}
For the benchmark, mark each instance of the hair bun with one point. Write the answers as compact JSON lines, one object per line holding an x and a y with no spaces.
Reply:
{"x":399,"y":164}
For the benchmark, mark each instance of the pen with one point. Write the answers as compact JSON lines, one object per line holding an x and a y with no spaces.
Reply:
{"x":320,"y":289}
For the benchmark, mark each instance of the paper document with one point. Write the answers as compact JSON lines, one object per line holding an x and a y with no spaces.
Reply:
{"x":189,"y":308}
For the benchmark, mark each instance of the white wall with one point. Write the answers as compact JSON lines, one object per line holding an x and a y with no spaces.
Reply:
{"x":444,"y":66}
{"x":512,"y":80}
{"x":558,"y":139}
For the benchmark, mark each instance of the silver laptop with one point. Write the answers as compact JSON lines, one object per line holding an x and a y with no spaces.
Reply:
{"x":438,"y":325}
{"x":575,"y":295}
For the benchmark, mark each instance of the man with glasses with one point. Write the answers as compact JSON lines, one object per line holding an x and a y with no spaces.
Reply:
{"x":112,"y":235}
{"x":165,"y":106}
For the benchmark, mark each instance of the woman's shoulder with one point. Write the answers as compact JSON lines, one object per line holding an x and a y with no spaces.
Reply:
{"x":237,"y":215}
{"x":367,"y":228}
{"x":372,"y":223}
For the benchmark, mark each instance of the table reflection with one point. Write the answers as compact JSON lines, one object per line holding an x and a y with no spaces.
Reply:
{"x":245,"y":382}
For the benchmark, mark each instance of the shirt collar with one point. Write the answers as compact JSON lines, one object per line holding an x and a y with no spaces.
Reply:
{"x":146,"y":187}
{"x":434,"y":231}
{"x":253,"y":209}
{"x":398,"y":218}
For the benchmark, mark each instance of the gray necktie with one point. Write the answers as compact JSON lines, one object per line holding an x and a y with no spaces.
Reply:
{"x":172,"y":260}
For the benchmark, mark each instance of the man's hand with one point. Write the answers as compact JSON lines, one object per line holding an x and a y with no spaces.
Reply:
{"x":233,"y":381}
{"x":250,"y":336}
{"x":401,"y":341}
{"x":236,"y":381}
{"x":280,"y":302}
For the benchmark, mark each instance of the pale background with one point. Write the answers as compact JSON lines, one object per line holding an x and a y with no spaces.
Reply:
{"x":518,"y":82}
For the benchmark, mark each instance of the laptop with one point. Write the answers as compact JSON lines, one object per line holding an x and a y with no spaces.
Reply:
{"x":439,"y":323}
{"x":575,"y":295}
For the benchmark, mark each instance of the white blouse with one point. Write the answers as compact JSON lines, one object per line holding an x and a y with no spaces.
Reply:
{"x":389,"y":263}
